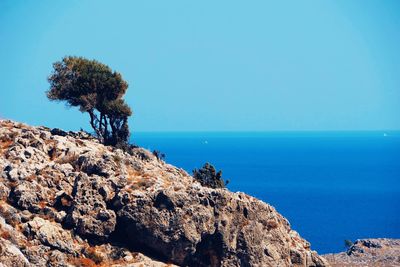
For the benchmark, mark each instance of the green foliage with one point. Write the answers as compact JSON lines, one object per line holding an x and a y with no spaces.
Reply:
{"x":159,"y":155}
{"x":94,"y":88}
{"x":208,"y":176}
{"x":348,"y":243}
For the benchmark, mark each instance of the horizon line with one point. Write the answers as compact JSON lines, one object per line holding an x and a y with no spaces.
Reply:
{"x":271,"y":131}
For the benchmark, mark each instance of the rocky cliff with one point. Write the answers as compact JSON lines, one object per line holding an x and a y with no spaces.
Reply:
{"x":67,"y":200}
{"x":368,"y":253}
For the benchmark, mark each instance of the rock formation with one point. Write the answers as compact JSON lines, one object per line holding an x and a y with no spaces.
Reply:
{"x":67,"y":200}
{"x":368,"y":253}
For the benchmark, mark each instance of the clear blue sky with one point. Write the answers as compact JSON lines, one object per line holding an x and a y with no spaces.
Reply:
{"x":212,"y":65}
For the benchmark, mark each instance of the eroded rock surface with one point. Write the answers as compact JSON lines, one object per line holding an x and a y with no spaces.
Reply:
{"x":67,"y":200}
{"x":368,"y":253}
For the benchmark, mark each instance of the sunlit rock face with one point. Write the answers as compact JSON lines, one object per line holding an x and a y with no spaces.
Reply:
{"x":368,"y":253}
{"x":67,"y":200}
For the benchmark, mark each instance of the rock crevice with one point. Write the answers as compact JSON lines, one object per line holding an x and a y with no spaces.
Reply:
{"x":71,"y":201}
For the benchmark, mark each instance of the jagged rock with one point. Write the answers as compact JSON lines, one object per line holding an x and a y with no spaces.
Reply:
{"x":4,"y":191}
{"x":36,"y":253}
{"x":27,"y":195}
{"x":89,"y":214}
{"x":57,"y":259}
{"x":50,"y":234}
{"x":368,"y":253}
{"x":80,"y":203}
{"x":10,"y":255}
{"x":235,"y":230}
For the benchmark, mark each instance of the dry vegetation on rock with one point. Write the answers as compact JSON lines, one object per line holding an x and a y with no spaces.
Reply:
{"x":68,"y":200}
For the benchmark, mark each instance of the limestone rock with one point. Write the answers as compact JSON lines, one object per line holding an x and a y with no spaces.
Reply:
{"x":67,"y":200}
{"x":50,"y":234}
{"x":368,"y":253}
{"x":10,"y":255}
{"x":89,"y":214}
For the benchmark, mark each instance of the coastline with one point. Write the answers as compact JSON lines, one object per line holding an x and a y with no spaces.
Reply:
{"x":304,"y":177}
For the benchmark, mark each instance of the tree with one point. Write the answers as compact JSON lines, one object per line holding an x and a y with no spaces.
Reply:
{"x":94,"y":88}
{"x":208,"y":176}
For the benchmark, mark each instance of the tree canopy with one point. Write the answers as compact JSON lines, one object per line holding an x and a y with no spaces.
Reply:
{"x":94,"y":88}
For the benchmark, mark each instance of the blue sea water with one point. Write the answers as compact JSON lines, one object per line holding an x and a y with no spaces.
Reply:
{"x":331,"y":186}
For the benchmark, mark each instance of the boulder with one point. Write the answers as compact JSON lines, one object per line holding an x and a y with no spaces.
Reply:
{"x":50,"y":234}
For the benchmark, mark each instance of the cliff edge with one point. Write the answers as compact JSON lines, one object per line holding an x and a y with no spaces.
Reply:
{"x":67,"y":200}
{"x":368,"y":253}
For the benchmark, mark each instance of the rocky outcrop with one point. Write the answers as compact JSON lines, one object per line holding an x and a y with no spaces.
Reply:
{"x":369,"y":252}
{"x":67,"y":200}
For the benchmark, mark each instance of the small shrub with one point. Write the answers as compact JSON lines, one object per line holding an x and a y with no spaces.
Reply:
{"x":348,"y":243}
{"x":126,"y":147}
{"x":139,"y":153}
{"x":92,"y":254}
{"x":159,"y":155}
{"x":208,"y":176}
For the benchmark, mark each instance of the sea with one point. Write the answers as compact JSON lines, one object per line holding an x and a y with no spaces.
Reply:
{"x":331,"y":186}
